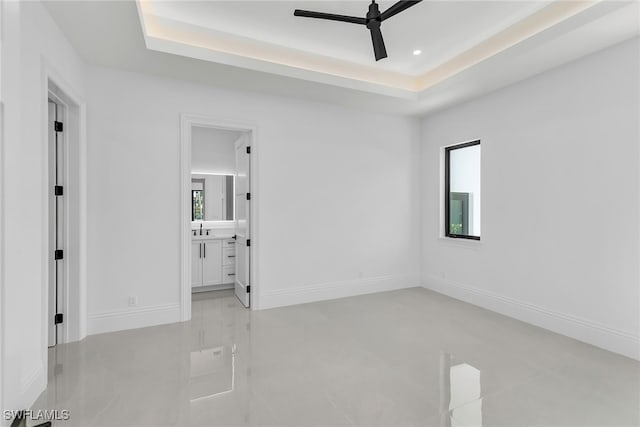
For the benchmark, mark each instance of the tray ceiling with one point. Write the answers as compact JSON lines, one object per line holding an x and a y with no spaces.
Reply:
{"x":468,"y":47}
{"x":265,"y":36}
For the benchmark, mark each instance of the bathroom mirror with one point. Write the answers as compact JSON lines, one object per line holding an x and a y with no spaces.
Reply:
{"x":212,"y":197}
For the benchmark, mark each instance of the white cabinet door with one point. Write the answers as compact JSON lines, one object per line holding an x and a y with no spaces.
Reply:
{"x":212,"y":262}
{"x":196,"y":264}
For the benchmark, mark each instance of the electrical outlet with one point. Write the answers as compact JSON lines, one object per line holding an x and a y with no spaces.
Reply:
{"x":133,"y":301}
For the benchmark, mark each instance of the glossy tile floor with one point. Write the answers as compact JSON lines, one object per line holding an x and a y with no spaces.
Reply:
{"x":410,"y":357}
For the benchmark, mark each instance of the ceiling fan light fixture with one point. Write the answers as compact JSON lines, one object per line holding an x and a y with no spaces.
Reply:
{"x":372,"y":21}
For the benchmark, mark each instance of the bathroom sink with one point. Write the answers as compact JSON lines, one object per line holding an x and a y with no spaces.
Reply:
{"x":204,"y":234}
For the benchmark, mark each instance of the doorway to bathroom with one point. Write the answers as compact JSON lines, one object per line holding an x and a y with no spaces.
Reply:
{"x":218,"y":246}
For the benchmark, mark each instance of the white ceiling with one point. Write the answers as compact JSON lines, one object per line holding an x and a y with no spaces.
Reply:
{"x":468,"y":48}
{"x":441,"y":30}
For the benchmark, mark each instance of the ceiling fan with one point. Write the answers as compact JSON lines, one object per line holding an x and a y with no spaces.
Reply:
{"x":373,"y":20}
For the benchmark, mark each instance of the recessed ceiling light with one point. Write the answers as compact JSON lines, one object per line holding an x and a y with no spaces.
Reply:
{"x":417,"y":52}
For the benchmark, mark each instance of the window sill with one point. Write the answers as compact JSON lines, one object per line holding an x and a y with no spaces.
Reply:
{"x":453,"y":241}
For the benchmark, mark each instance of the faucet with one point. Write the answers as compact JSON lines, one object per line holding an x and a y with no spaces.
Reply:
{"x":201,"y":229}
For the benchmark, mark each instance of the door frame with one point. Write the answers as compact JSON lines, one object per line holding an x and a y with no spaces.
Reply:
{"x":60,"y":288}
{"x":74,"y":307}
{"x":187,"y":122}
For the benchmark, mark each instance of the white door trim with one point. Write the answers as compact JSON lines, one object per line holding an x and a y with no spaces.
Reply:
{"x":187,"y":121}
{"x":74,"y":327}
{"x":57,"y":269}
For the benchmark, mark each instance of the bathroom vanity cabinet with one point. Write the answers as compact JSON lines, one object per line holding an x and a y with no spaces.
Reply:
{"x":212,"y":261}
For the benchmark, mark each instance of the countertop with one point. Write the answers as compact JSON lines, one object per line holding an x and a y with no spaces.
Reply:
{"x":211,"y":236}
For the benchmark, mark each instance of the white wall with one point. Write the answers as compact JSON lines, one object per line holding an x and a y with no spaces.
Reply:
{"x":30,"y":40}
{"x":560,"y":207}
{"x":2,"y":245}
{"x":337,"y":197}
{"x":213,"y":150}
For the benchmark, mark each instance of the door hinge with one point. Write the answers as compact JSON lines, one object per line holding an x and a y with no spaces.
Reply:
{"x":58,"y":126}
{"x":58,"y":254}
{"x":248,"y":242}
{"x":248,"y":288}
{"x":58,"y":190}
{"x":58,"y":318}
{"x":248,"y":196}
{"x":248,"y":150}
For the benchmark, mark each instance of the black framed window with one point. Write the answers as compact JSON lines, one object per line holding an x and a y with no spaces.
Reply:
{"x":462,"y":190}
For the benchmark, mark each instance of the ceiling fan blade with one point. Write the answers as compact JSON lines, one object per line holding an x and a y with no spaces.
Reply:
{"x":329,"y":16}
{"x":378,"y":43}
{"x":397,"y":8}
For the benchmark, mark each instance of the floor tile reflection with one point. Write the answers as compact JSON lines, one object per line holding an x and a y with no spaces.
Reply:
{"x":402,"y":358}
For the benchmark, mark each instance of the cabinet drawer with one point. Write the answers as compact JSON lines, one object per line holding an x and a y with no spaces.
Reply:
{"x":229,"y":256}
{"x":229,"y":243}
{"x":229,"y":274}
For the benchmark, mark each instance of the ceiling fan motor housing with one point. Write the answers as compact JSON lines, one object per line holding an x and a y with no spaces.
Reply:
{"x":373,"y":22}
{"x":373,"y":16}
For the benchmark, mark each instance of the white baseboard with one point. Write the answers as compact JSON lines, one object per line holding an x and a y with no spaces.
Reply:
{"x":593,"y":333}
{"x":334,"y":290}
{"x":224,"y":287}
{"x":137,"y":317}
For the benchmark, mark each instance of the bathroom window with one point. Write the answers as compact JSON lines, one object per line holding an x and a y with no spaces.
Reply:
{"x":462,"y":190}
{"x":197,"y":208}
